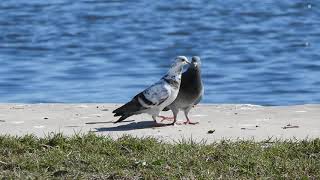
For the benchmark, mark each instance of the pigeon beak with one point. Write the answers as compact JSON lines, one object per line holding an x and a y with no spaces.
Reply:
{"x":187,"y":62}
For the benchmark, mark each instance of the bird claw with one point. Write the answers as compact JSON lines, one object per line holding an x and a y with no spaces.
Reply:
{"x":166,"y":118}
{"x":189,"y":122}
{"x":171,"y":124}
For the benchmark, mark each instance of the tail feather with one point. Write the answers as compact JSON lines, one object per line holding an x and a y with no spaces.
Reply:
{"x":117,"y":114}
{"x":131,"y":108}
{"x":123,"y":117}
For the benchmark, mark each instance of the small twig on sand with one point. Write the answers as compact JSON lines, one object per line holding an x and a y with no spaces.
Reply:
{"x":289,"y":126}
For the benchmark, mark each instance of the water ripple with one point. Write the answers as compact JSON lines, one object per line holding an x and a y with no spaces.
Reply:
{"x":106,"y":51}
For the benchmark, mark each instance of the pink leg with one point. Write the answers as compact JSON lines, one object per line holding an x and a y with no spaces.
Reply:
{"x":156,"y":124}
{"x":166,"y":118}
{"x":188,"y":120}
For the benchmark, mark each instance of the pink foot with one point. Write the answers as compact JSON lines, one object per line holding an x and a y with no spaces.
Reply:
{"x":189,"y":122}
{"x":166,"y":118}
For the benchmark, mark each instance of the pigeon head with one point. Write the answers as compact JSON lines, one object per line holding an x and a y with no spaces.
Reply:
{"x":179,"y":62}
{"x":196,"y":62}
{"x":176,"y":67}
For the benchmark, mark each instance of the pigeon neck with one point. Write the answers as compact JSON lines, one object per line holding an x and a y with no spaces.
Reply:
{"x":194,"y":72}
{"x":174,"y":73}
{"x":192,"y":76}
{"x":173,"y":76}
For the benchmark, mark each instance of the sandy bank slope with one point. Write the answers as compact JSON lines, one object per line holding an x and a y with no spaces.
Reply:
{"x":227,"y":121}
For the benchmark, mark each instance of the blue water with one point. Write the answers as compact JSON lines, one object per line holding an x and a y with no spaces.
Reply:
{"x":260,"y":52}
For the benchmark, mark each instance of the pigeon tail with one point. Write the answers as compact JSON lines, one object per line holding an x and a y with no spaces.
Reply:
{"x":123,"y":117}
{"x":131,"y":108}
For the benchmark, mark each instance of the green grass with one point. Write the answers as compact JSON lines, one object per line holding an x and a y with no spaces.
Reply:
{"x":97,"y":157}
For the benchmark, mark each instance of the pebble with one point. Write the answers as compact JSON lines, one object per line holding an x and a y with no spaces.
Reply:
{"x":211,"y":131}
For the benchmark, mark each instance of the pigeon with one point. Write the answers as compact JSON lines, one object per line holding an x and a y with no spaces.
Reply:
{"x":190,"y":93}
{"x":156,"y":97}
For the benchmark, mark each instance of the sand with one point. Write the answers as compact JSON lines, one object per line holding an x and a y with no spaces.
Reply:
{"x":216,"y":122}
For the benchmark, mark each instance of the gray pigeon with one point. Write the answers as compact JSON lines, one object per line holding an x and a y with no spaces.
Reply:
{"x":190,"y":93}
{"x":156,"y":97}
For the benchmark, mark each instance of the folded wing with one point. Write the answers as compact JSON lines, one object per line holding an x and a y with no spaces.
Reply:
{"x":144,"y":101}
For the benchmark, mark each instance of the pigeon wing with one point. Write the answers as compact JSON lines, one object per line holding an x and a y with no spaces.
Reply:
{"x":157,"y":94}
{"x":149,"y":98}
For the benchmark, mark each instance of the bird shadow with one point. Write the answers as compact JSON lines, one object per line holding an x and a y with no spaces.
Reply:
{"x":132,"y":126}
{"x":106,"y":122}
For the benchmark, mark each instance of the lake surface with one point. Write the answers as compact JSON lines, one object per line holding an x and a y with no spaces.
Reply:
{"x":260,"y":52}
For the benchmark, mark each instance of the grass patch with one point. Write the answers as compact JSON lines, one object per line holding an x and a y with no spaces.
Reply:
{"x":97,"y":157}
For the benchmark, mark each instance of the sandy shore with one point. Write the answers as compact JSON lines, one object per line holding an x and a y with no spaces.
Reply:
{"x":216,"y":122}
